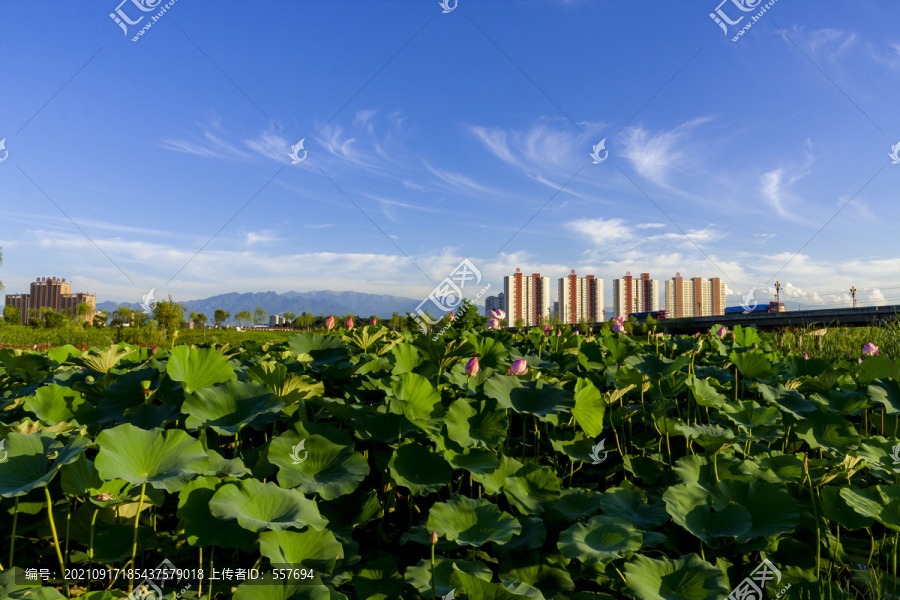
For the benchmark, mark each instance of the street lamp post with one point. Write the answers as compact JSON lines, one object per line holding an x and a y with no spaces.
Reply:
{"x":853,"y":295}
{"x":777,"y":291}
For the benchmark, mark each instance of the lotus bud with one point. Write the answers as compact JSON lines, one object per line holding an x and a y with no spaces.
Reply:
{"x":349,"y":323}
{"x":493,"y":324}
{"x":329,"y":322}
{"x":472,"y":367}
{"x":806,"y":465}
{"x":870,"y":349}
{"x":154,"y":350}
{"x":500,"y":314}
{"x":558,"y":332}
{"x":434,"y":538}
{"x":374,"y":322}
{"x":89,"y":379}
{"x":722,"y":332}
{"x":519,"y":367}
{"x":494,"y":314}
{"x":618,"y":328}
{"x":546,"y":330}
{"x":806,"y":356}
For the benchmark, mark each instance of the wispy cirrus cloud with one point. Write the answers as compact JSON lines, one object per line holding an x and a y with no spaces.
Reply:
{"x":656,"y":155}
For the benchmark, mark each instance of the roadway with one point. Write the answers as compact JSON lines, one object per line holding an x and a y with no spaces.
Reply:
{"x":854,"y":317}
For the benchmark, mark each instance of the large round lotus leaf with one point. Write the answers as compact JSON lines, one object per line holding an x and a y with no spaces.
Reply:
{"x":776,"y":467}
{"x":753,"y":365}
{"x":318,"y":550}
{"x":531,"y":537}
{"x":325,"y":349}
{"x":712,"y":437}
{"x":701,"y":469}
{"x":630,"y":507}
{"x":198,"y":368}
{"x":57,"y":404}
{"x":288,"y":386}
{"x":419,"y":576}
{"x":323,"y":463}
{"x":688,"y":504}
{"x":472,"y":522}
{"x":704,"y":393}
{"x":879,"y":367}
{"x":477,"y":423}
{"x":200,"y":527}
{"x":880,"y":502}
{"x":600,"y":540}
{"x":575,"y":503}
{"x":227,"y":407}
{"x":842,"y":402}
{"x":164,"y":459}
{"x":258,"y":506}
{"x":269,"y":588}
{"x":28,"y":466}
{"x":878,"y":452}
{"x":788,"y":400}
{"x":379,"y":579}
{"x":532,"y":489}
{"x":748,"y":415}
{"x":837,"y":509}
{"x":828,"y":431}
{"x":422,"y":471}
{"x":772,"y":510}
{"x":102,"y":361}
{"x":231,"y":467}
{"x":61,"y":354}
{"x":475,"y":460}
{"x":476,"y":588}
{"x":494,"y":481}
{"x":80,"y":477}
{"x":417,"y":399}
{"x":686,"y":578}
{"x":590,"y":407}
{"x":548,"y":576}
{"x":886,"y":393}
{"x":529,"y":397}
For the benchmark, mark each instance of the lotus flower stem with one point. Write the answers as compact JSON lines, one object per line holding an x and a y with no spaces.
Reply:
{"x":68,"y":520}
{"x":812,"y":495}
{"x":433,"y":544}
{"x":12,"y":538}
{"x":211,"y":570}
{"x":200,"y":582}
{"x":134,"y":538}
{"x":59,"y":556}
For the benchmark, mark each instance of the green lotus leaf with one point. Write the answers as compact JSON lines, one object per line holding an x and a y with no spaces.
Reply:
{"x":61,"y":354}
{"x":57,"y":404}
{"x":219,"y":465}
{"x":653,"y":365}
{"x":258,"y":506}
{"x":379,"y":579}
{"x":879,"y":502}
{"x":416,"y":467}
{"x":406,"y":358}
{"x":317,"y":459}
{"x":704,"y":393}
{"x":829,"y":431}
{"x":879,"y":453}
{"x":27,"y":463}
{"x":419,"y":576}
{"x":226,"y":408}
{"x":529,"y":397}
{"x":309,"y":549}
{"x":324,"y":349}
{"x":287,"y":386}
{"x":532,"y":536}
{"x":601,"y":539}
{"x":198,"y":368}
{"x":494,"y":481}
{"x":745,"y":336}
{"x":102,"y":361}
{"x":472,"y":522}
{"x":475,"y":460}
{"x":842,"y":402}
{"x":476,"y":423}
{"x":79,"y":477}
{"x":712,"y":437}
{"x":201,"y":528}
{"x":575,"y":503}
{"x":532,"y":489}
{"x":886,"y":393}
{"x":879,"y":367}
{"x":418,"y":400}
{"x":164,"y":459}
{"x":477,"y":588}
{"x":837,"y":509}
{"x":772,"y":510}
{"x":788,"y":400}
{"x":753,"y":365}
{"x":749,"y":415}
{"x":590,"y":408}
{"x":688,"y":504}
{"x":267,"y":587}
{"x":9,"y":588}
{"x":686,"y":578}
{"x":630,"y":507}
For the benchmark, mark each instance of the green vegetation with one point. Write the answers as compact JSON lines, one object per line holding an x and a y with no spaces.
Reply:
{"x":393,"y":465}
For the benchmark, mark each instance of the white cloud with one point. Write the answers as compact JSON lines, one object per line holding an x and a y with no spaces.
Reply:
{"x":655,"y":155}
{"x":650,"y":225}
{"x":602,"y":232}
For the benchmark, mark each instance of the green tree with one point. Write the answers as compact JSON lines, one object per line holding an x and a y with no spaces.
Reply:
{"x":520,"y":323}
{"x":394,"y":321}
{"x":52,"y":319}
{"x":289,"y":317}
{"x":259,"y":315}
{"x":169,"y":315}
{"x":140,"y":318}
{"x":123,"y":314}
{"x":220,"y":316}
{"x":245,"y":317}
{"x":12,"y":314}
{"x":101,"y":317}
{"x":583,"y":326}
{"x":82,"y":311}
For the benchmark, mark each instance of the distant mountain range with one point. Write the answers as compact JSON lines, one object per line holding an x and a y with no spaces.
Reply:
{"x":327,"y":302}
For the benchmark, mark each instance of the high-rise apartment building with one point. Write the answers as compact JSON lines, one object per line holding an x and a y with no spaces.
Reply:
{"x":527,"y":297}
{"x":694,"y":297}
{"x":580,"y":298}
{"x":494,"y":303}
{"x":635,"y":294}
{"x":52,"y":292}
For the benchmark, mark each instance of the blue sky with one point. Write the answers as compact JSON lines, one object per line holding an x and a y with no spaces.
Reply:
{"x":434,"y":137}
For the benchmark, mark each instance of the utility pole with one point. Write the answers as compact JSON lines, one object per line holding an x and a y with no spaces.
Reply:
{"x":777,"y":290}
{"x":853,"y":295}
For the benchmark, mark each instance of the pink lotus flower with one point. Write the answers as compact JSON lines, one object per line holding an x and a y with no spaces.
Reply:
{"x":722,"y":332}
{"x":618,"y":328}
{"x":493,"y":324}
{"x":558,"y":332}
{"x":546,"y":330}
{"x":329,"y":322}
{"x":374,"y":322}
{"x":620,"y":319}
{"x":870,"y":349}
{"x":472,"y":367}
{"x":519,"y":367}
{"x":860,"y":361}
{"x":806,"y":356}
{"x":349,"y":323}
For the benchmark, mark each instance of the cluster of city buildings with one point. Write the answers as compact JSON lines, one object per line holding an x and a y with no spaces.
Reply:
{"x":55,"y":293}
{"x":581,"y":298}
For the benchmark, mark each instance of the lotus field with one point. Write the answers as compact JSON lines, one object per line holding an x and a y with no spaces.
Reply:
{"x":485,"y":465}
